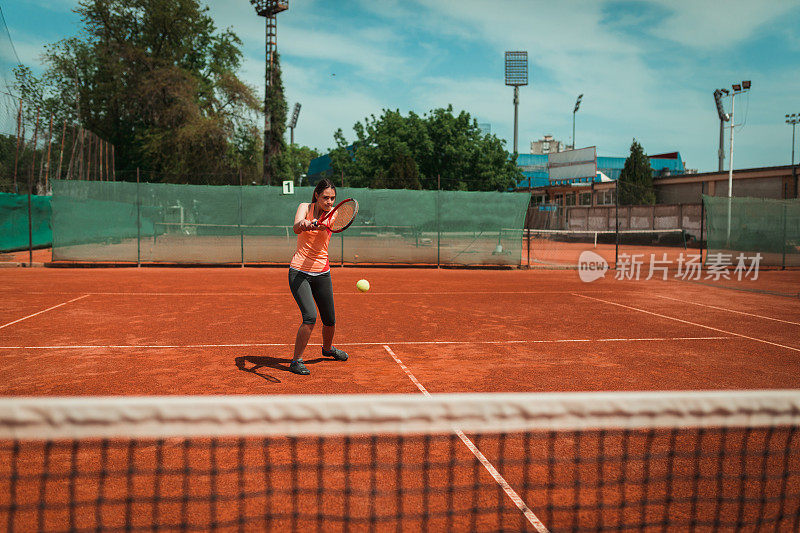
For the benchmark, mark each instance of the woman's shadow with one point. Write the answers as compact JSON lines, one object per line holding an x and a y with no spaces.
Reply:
{"x":254,"y":363}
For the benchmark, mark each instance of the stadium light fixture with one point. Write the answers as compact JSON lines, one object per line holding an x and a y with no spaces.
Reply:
{"x":269,"y":8}
{"x":293,"y":121}
{"x":723,"y":117}
{"x":574,"y":111}
{"x":516,"y":76}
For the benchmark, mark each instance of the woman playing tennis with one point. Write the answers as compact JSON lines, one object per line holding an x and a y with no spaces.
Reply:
{"x":310,"y":275}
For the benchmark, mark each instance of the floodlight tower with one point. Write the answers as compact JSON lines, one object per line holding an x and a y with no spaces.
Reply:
{"x":737,"y":89}
{"x":293,"y":122}
{"x":269,"y":9}
{"x":577,"y":106}
{"x":723,"y":118}
{"x":516,"y":75}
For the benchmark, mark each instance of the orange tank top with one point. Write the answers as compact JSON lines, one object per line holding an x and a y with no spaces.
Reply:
{"x":312,"y":249}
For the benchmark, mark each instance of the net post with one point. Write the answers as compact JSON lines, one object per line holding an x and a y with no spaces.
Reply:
{"x":528,"y":233}
{"x":139,"y":223}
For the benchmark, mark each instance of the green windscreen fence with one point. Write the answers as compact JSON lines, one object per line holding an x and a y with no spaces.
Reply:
{"x":129,"y":222}
{"x":14,"y":231}
{"x":754,"y":225}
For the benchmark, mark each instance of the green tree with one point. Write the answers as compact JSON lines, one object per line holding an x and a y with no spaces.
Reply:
{"x":279,"y":162}
{"x":396,"y":151}
{"x":635,"y":183}
{"x":158,"y":80}
{"x":299,"y":158}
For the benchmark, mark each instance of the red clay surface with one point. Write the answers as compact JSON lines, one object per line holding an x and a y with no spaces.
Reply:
{"x":149,"y":331}
{"x":196,"y":331}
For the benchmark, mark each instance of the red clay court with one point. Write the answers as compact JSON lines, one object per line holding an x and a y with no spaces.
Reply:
{"x":153,"y":331}
{"x":131,"y":332}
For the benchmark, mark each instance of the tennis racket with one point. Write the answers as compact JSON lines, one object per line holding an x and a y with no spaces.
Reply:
{"x":340,"y":217}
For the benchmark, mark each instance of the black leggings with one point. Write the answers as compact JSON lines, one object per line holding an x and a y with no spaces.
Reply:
{"x":308,"y":289}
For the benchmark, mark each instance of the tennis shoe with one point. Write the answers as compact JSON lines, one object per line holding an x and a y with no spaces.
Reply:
{"x":336,"y":353}
{"x":298,"y":367}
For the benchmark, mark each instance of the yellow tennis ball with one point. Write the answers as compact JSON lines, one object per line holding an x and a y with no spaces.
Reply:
{"x":362,"y":285}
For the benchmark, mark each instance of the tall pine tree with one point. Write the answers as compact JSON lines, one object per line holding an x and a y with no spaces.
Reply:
{"x":635,"y":183}
{"x":277,"y":161}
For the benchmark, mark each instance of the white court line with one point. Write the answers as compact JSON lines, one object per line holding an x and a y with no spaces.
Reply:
{"x":347,"y":293}
{"x":690,"y":323}
{"x":730,"y":310}
{"x":278,"y":344}
{"x":518,"y":501}
{"x":44,"y":311}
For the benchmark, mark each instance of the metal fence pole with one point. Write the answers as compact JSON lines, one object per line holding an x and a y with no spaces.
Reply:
{"x":241,"y":229}
{"x":30,"y":221}
{"x":438,"y":227}
{"x":702,"y":220}
{"x":138,"y":222}
{"x":616,"y":223}
{"x":783,"y":240}
{"x":527,"y":229}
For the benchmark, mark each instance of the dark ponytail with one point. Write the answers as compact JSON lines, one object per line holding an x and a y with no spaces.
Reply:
{"x":324,"y":183}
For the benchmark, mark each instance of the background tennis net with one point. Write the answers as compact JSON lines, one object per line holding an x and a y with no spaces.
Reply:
{"x":667,"y":461}
{"x":564,"y":247}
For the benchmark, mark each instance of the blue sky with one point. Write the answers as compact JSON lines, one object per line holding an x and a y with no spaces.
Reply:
{"x":647,"y":69}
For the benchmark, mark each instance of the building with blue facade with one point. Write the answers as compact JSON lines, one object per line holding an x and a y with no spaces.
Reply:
{"x":535,"y":167}
{"x":596,"y":190}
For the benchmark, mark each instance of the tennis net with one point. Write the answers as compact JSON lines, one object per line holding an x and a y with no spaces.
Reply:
{"x":564,"y":247}
{"x":666,"y":461}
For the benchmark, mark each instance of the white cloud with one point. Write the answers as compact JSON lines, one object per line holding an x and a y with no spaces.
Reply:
{"x":332,"y":48}
{"x":718,"y":24}
{"x":60,"y":6}
{"x":29,"y":48}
